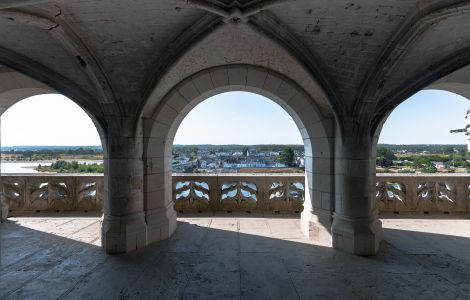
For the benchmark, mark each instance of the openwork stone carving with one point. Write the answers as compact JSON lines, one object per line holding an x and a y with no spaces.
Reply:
{"x":58,"y":191}
{"x":238,"y":192}
{"x":391,"y":196}
{"x":286,"y":195}
{"x":13,"y":193}
{"x":446,"y":192}
{"x":191,"y":195}
{"x":52,"y":192}
{"x":39,"y":194}
{"x":90,"y":193}
{"x":239,"y":195}
{"x":390,"y":192}
{"x":432,"y":195}
{"x":423,"y":193}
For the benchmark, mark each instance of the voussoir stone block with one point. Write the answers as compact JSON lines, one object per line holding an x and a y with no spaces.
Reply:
{"x":189,"y":91}
{"x":255,"y":78}
{"x":203,"y":83}
{"x":271,"y":84}
{"x":219,"y":78}
{"x":237,"y":76}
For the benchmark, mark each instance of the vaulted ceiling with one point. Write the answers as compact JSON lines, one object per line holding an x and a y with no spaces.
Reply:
{"x":363,"y":54}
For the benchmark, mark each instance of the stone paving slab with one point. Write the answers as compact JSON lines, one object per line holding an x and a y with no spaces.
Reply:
{"x":232,"y":258}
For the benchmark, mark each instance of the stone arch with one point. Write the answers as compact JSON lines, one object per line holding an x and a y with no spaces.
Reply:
{"x":123,"y":225}
{"x":160,"y":127}
{"x":15,"y":87}
{"x":457,"y":82}
{"x":458,"y":88}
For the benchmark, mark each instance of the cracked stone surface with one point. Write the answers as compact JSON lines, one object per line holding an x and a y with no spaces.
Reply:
{"x":54,"y":257}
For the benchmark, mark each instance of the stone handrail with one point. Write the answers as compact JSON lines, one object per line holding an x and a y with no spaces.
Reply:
{"x":191,"y":192}
{"x":52,"y":192}
{"x":423,"y":193}
{"x":397,"y":193}
{"x":239,"y":192}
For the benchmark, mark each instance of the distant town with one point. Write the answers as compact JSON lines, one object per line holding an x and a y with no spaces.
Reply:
{"x":237,"y":159}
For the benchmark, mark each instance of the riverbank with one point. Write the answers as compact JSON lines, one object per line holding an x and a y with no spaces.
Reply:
{"x":29,"y":167}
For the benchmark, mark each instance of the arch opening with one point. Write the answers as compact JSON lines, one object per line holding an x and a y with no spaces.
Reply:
{"x":162,"y":124}
{"x":241,"y":119}
{"x":47,"y":139}
{"x":251,"y":145}
{"x":423,"y":172}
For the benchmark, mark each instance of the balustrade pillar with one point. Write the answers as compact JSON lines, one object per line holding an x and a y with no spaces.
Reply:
{"x":356,"y":226}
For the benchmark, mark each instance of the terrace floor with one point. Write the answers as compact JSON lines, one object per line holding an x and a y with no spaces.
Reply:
{"x":223,"y":258}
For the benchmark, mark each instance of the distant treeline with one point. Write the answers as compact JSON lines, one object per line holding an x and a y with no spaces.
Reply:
{"x":433,"y":148}
{"x":74,"y":167}
{"x":54,"y":152}
{"x":223,"y":148}
{"x":36,"y":148}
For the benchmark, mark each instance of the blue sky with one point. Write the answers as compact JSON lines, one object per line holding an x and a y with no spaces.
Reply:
{"x":233,"y":118}
{"x":426,"y":118}
{"x":238,"y":118}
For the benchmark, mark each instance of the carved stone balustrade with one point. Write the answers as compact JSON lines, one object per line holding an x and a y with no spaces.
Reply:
{"x":423,"y":193}
{"x":52,"y":192}
{"x":282,"y":193}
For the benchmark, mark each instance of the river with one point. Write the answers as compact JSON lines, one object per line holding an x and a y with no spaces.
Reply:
{"x":27,"y":167}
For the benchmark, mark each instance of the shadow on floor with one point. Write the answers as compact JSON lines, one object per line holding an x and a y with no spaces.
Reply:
{"x":203,"y":262}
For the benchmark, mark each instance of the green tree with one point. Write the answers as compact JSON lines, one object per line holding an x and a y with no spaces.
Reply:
{"x":287,"y":157}
{"x":448,"y":150}
{"x":245,"y":151}
{"x":430,"y":169}
{"x":463,"y":151}
{"x":385,"y":157}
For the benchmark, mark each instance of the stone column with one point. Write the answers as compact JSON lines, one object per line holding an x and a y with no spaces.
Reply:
{"x":3,"y":206}
{"x":158,"y":186}
{"x":356,"y":227}
{"x":316,"y":218}
{"x":124,"y":228}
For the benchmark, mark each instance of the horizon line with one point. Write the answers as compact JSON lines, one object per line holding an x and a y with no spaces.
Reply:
{"x":422,"y":144}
